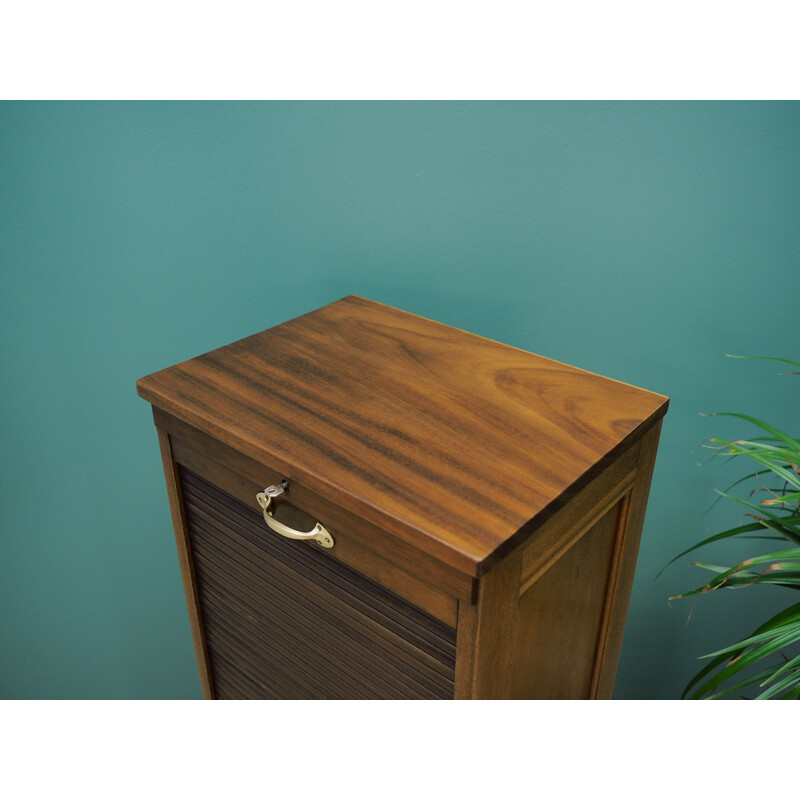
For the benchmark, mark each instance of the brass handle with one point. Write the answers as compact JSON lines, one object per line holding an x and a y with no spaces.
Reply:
{"x":318,"y":533}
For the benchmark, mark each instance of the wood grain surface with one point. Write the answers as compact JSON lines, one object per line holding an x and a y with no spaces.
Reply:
{"x":415,"y":577}
{"x":189,"y":447}
{"x":560,"y":619}
{"x":456,"y":444}
{"x":186,"y":562}
{"x":619,"y":590}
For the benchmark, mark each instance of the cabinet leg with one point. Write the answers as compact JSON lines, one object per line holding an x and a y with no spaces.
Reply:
{"x":486,"y":630}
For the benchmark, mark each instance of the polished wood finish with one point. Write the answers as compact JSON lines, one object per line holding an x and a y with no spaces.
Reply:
{"x":496,"y":493}
{"x":556,"y":611}
{"x":486,"y":633}
{"x":560,"y":617}
{"x":421,"y":580}
{"x":457,"y":445}
{"x":619,"y":591}
{"x":559,"y":622}
{"x":565,"y":528}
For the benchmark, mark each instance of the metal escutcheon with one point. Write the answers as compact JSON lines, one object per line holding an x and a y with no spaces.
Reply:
{"x":318,"y":533}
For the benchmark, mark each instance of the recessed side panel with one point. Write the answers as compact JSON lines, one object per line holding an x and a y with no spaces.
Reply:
{"x":283,"y":620}
{"x":561,"y":616}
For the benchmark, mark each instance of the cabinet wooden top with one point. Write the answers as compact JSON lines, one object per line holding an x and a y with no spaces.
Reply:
{"x":457,"y":444}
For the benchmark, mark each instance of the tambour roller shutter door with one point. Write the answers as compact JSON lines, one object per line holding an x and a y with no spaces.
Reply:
{"x":460,"y":480}
{"x":284,"y":620}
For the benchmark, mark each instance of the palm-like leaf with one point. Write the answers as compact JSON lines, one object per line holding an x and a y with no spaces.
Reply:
{"x":777,"y":516}
{"x":767,"y":640}
{"x":771,"y":358}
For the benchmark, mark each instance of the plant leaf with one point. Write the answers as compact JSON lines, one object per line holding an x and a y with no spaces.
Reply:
{"x":788,"y":578}
{"x":789,"y":680}
{"x":762,"y":512}
{"x":790,"y":664}
{"x":746,"y":659}
{"x":783,"y":530}
{"x":766,"y":358}
{"x":752,"y":526}
{"x":761,"y":424}
{"x":779,"y":451}
{"x":790,"y":627}
{"x":781,"y":556}
{"x":773,"y":622}
{"x":735,"y":483}
{"x":787,"y":498}
{"x":790,"y":477}
{"x":752,"y":679}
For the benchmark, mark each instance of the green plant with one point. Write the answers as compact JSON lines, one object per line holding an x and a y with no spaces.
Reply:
{"x":770,"y":650}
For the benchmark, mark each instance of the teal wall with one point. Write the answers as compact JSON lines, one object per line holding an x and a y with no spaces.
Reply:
{"x":639,"y":240}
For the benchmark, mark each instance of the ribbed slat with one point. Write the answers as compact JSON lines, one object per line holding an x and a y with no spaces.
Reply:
{"x":334,"y":619}
{"x":284,"y":620}
{"x":244,"y":556}
{"x":256,"y":548}
{"x":395,"y":613}
{"x":325,"y":639}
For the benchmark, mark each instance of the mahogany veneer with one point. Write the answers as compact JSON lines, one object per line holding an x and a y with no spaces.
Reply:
{"x":486,"y":506}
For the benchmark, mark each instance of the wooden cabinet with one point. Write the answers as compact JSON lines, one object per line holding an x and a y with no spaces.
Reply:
{"x":476,"y":511}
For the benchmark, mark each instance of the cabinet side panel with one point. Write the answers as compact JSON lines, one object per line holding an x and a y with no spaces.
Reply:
{"x":186,"y":562}
{"x":630,"y":534}
{"x":560,"y":619}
